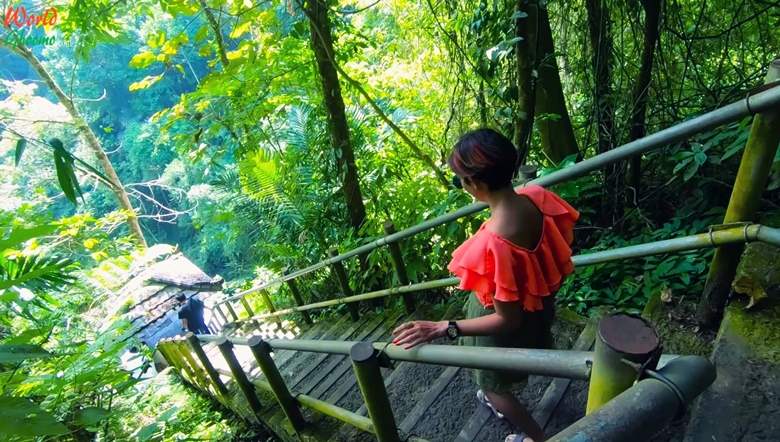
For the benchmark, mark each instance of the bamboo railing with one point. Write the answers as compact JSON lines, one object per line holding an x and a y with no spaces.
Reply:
{"x":617,"y":417}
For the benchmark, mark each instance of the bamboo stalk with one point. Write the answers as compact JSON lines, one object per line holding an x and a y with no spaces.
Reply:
{"x":750,"y":182}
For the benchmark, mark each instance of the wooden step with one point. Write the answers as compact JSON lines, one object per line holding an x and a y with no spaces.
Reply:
{"x":342,"y":368}
{"x":320,"y":369}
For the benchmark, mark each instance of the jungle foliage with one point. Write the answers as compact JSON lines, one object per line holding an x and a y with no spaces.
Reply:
{"x":258,"y":135}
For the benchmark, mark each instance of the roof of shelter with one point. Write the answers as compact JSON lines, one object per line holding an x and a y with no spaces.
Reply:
{"x":156,"y":279}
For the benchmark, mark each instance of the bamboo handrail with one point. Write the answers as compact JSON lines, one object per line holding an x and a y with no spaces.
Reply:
{"x":730,"y":235}
{"x":749,"y":105}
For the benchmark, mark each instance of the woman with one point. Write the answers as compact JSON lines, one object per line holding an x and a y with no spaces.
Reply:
{"x":513,"y":264}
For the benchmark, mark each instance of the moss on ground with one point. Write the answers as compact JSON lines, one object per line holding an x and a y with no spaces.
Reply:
{"x":676,"y":327}
{"x":758,"y":327}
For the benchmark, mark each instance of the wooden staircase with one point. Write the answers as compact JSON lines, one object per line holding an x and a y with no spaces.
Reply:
{"x":429,"y":402}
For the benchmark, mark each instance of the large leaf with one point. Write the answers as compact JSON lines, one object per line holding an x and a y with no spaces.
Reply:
{"x":63,"y":163}
{"x":142,"y":60}
{"x":21,"y":417}
{"x":20,"y":145}
{"x":21,"y":352}
{"x":91,"y":416}
{"x":35,"y":272}
{"x":18,"y":236}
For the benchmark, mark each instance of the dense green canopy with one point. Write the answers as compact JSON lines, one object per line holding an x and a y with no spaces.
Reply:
{"x":258,"y":135}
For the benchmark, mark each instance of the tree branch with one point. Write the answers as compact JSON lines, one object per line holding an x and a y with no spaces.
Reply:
{"x":383,"y":116}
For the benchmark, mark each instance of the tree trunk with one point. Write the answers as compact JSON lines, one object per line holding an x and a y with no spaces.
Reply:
{"x":217,"y":32}
{"x":601,"y":46}
{"x":322,"y":45}
{"x":637,"y":128}
{"x":89,"y":136}
{"x":525,"y":56}
{"x":555,"y":128}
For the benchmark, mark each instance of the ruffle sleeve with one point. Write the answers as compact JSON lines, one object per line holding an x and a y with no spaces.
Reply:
{"x":495,"y":268}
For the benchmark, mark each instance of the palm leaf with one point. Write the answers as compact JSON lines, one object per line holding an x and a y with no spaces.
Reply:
{"x":36,"y":272}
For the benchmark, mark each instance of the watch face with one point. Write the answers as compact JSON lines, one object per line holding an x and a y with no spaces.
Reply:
{"x":452,"y":332}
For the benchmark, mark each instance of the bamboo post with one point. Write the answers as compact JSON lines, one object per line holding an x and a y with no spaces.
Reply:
{"x":212,"y":373}
{"x":619,"y":337}
{"x":247,"y":307}
{"x":268,"y":303}
{"x":296,"y":294}
{"x":226,"y":348}
{"x":197,"y":371}
{"x":184,"y":369}
{"x":162,"y":347}
{"x":262,"y":352}
{"x":399,"y":266}
{"x":341,"y":276}
{"x":365,"y":364}
{"x":752,"y":176}
{"x":231,"y":311}
{"x":218,"y":309}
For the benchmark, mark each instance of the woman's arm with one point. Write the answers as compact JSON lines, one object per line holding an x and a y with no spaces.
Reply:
{"x":507,"y":317}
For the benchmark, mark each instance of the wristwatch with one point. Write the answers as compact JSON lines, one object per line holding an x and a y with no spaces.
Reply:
{"x":452,"y":330}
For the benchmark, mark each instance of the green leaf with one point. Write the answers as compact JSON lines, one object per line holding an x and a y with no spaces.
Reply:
{"x":20,"y":417}
{"x":156,"y":40}
{"x":142,"y":60}
{"x":21,"y":352}
{"x":241,"y":29}
{"x":148,"y":81}
{"x":63,"y":163}
{"x":147,"y":432}
{"x":18,"y":236}
{"x":690,"y":171}
{"x":202,"y":33}
{"x":20,"y":145}
{"x":91,"y":416}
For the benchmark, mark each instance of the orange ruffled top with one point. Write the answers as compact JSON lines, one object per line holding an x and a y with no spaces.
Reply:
{"x":495,"y":268}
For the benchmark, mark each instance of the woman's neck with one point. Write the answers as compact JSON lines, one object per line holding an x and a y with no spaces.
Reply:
{"x":500,"y":198}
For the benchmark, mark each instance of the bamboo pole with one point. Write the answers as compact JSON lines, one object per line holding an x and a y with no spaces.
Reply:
{"x":262,"y":353}
{"x":745,"y":199}
{"x":326,"y":408}
{"x":226,"y":348}
{"x":299,"y":300}
{"x":184,"y":369}
{"x":231,"y":311}
{"x":341,"y":276}
{"x":270,"y":305}
{"x":365,"y":364}
{"x":336,"y":412}
{"x":162,"y":347}
{"x":398,"y":265}
{"x":247,"y":307}
{"x":650,"y":405}
{"x":218,"y":309}
{"x":197,"y":349}
{"x":728,"y":235}
{"x":620,"y":337}
{"x":197,"y":371}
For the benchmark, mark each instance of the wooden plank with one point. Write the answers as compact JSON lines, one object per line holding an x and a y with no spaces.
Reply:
{"x":349,"y":381}
{"x":334,"y":371}
{"x":428,"y":399}
{"x":359,"y":333}
{"x":322,"y":329}
{"x":554,"y":394}
{"x":474,"y":424}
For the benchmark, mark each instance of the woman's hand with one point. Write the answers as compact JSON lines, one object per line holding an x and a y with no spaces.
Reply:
{"x":409,"y":334}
